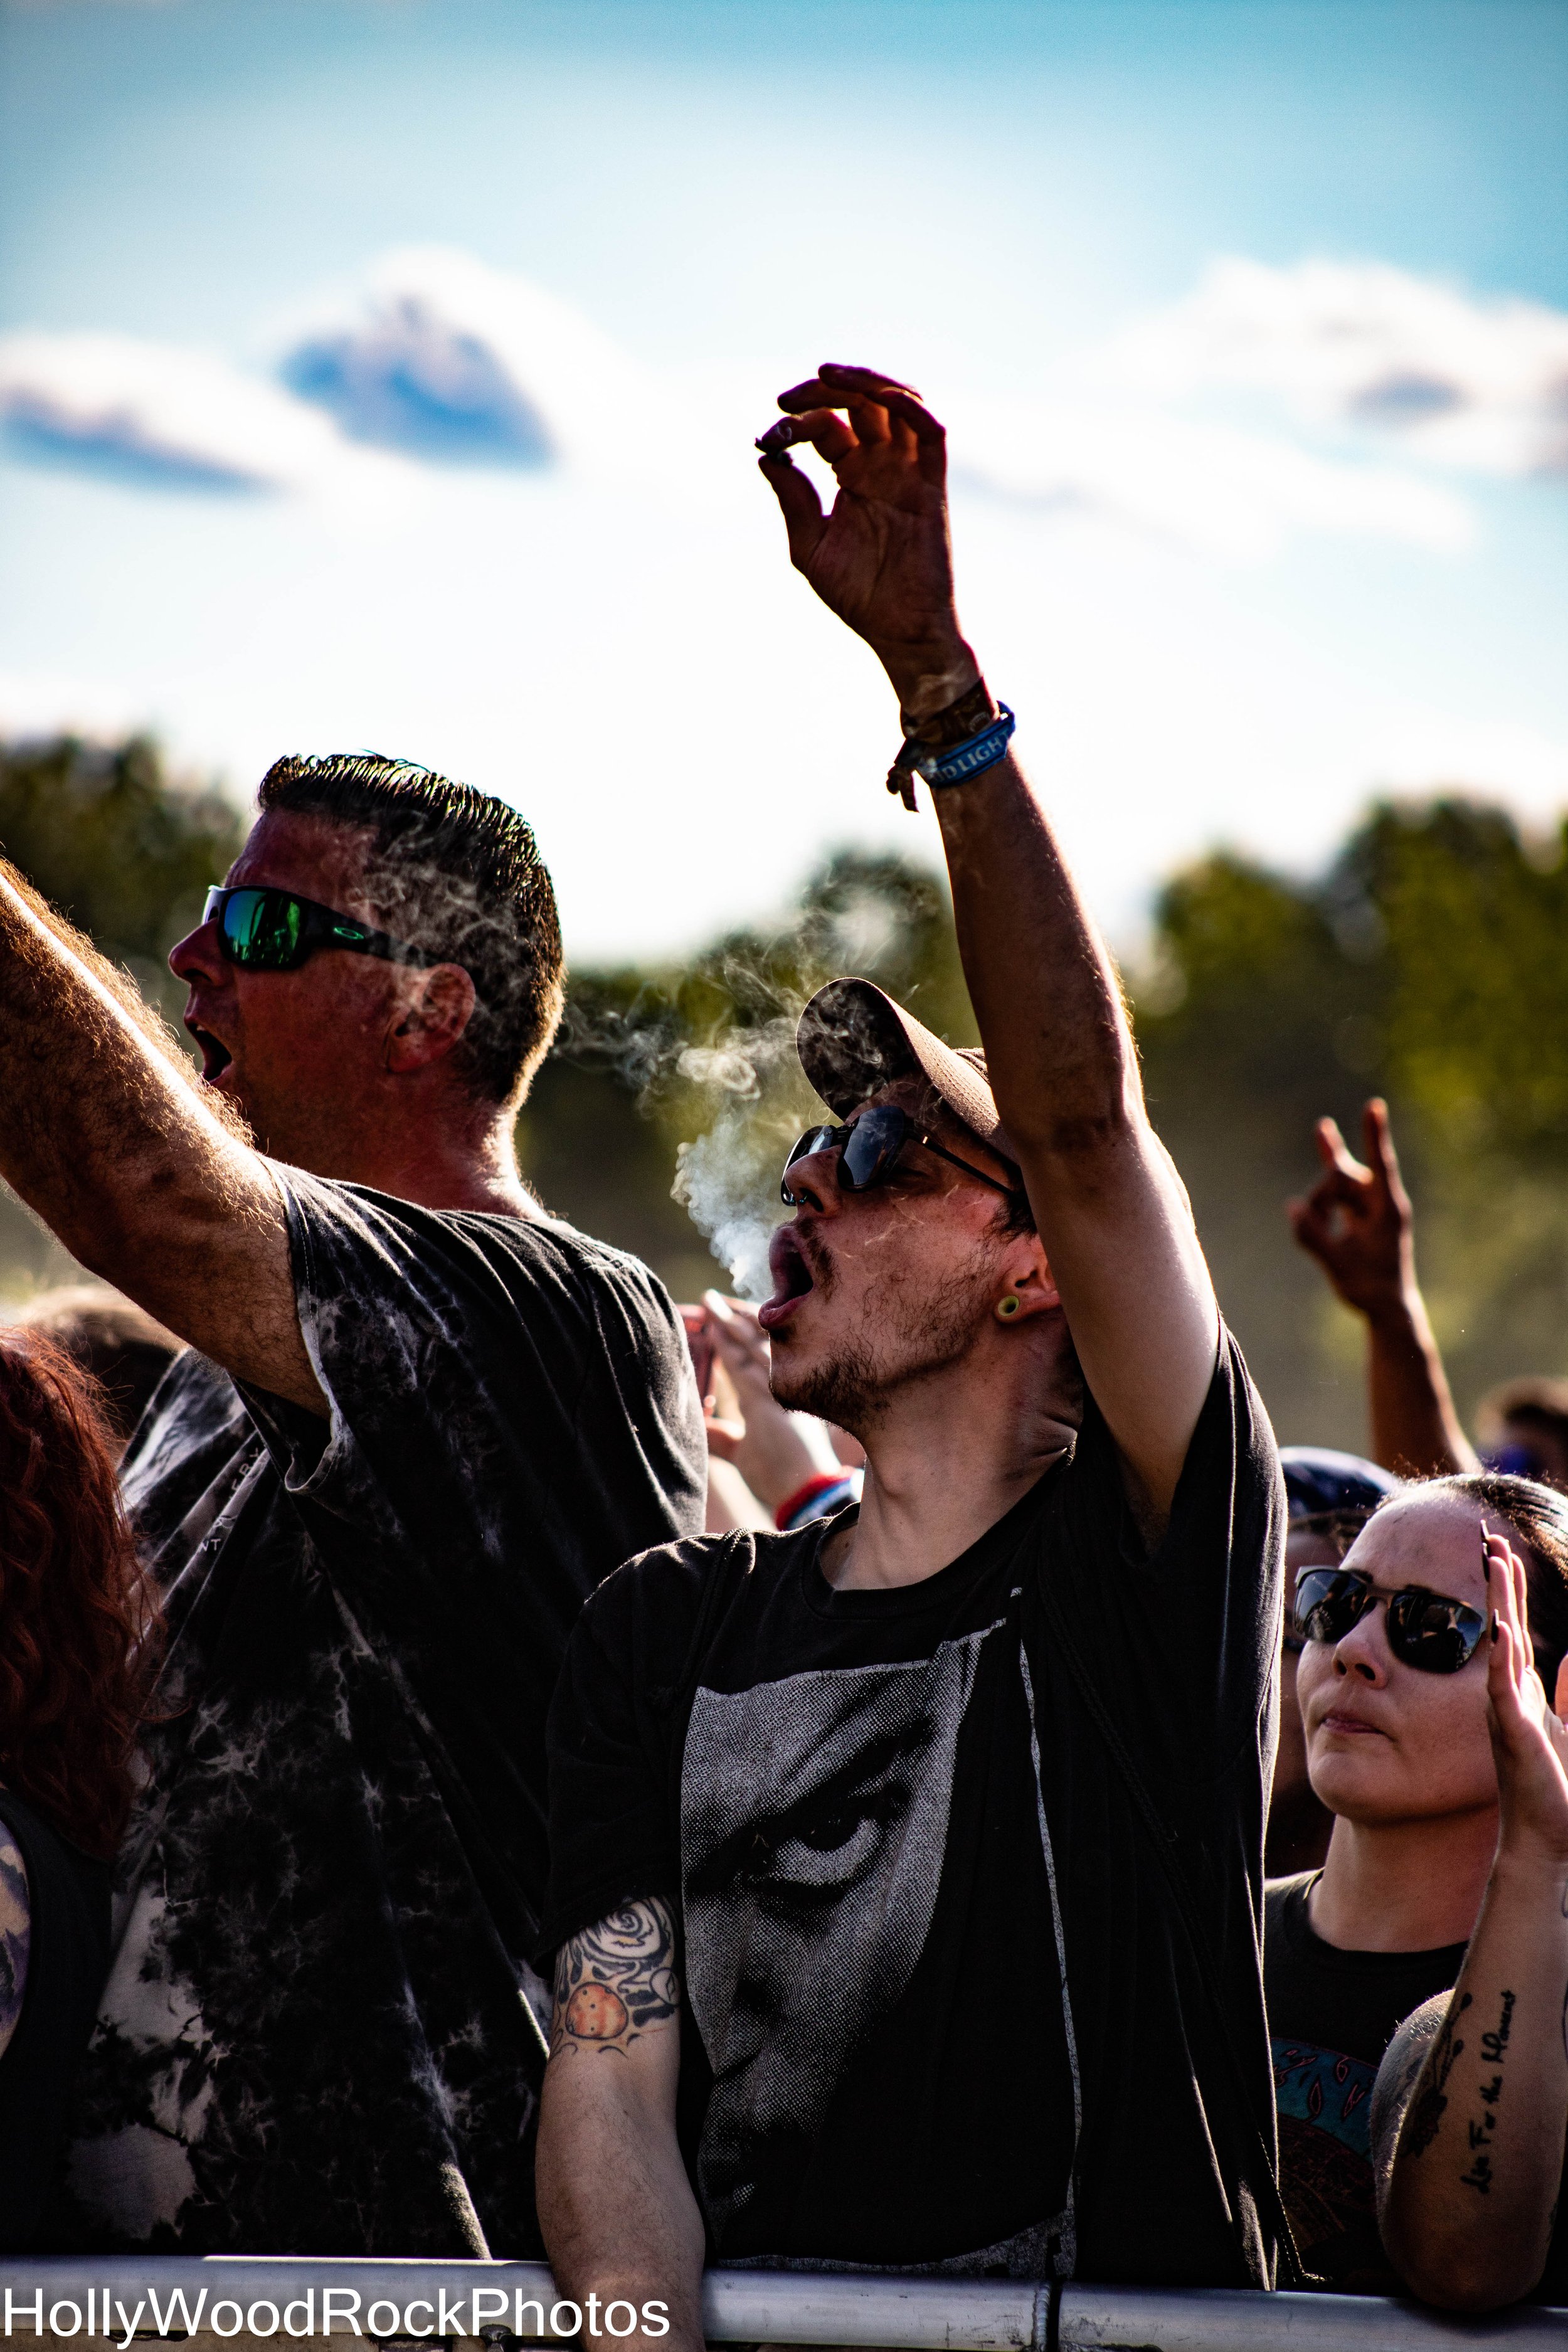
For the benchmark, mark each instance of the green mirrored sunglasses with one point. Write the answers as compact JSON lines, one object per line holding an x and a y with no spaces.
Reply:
{"x":273,"y":931}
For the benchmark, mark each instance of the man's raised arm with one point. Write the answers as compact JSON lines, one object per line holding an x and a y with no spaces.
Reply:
{"x":105,"y":1136}
{"x":1113,"y":1213}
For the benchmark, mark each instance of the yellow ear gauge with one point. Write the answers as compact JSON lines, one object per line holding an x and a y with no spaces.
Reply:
{"x":1008,"y":1307}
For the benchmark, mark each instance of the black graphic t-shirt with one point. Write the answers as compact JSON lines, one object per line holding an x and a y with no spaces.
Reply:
{"x":937,"y":2013}
{"x":1332,"y":2015}
{"x":321,"y":2033}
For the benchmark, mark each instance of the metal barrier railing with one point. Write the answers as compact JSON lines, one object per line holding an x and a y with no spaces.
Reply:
{"x":117,"y":2298}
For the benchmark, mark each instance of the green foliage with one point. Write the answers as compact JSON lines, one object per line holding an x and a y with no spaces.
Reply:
{"x":126,"y":853}
{"x":123,"y":849}
{"x":1430,"y":964}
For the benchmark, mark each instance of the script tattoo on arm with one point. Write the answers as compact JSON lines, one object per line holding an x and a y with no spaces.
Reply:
{"x":1427,"y":2113}
{"x":16,"y":1936}
{"x":616,"y":1981}
{"x":1493,"y":2045}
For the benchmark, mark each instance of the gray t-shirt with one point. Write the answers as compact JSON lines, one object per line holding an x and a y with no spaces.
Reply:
{"x":320,"y":2033}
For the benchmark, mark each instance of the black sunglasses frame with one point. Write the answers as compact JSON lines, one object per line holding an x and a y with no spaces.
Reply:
{"x":897,"y":1131}
{"x":1326,"y":1596}
{"x":321,"y":927}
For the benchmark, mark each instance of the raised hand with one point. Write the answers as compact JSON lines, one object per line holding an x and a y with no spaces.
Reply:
{"x":1529,"y":1742}
{"x":1356,"y":1220}
{"x":882,"y":560}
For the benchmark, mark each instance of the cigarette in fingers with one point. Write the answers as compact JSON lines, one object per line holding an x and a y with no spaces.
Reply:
{"x":781,"y":436}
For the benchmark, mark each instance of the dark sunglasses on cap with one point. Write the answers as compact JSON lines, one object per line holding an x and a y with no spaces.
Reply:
{"x":868,"y":1153}
{"x":272,"y":930}
{"x":1425,"y":1630}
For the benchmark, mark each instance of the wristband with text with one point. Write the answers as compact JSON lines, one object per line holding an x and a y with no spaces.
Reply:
{"x":953,"y":764}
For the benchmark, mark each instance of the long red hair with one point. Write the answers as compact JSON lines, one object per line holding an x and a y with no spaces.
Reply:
{"x":75,"y":1613}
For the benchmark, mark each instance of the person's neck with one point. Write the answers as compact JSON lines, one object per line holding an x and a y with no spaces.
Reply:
{"x":456,"y":1163}
{"x":948,"y":1458}
{"x":1404,"y":1887}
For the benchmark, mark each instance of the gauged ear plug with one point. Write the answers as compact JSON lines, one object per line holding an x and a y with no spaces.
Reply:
{"x":1008,"y":1307}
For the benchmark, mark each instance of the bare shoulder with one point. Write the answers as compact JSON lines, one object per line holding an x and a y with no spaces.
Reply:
{"x":616,"y":1981}
{"x":1397,"y":2076}
{"x":15,"y":1935}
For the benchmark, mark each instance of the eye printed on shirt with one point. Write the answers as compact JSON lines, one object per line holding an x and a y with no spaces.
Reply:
{"x":813,"y":1825}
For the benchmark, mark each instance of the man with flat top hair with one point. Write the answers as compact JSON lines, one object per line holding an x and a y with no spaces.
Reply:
{"x":906,"y":1869}
{"x":417,"y":1421}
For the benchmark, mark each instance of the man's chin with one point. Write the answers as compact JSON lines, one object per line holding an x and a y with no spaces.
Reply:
{"x":840,"y":1386}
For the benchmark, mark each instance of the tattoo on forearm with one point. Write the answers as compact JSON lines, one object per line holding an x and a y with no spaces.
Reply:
{"x":1480,"y":2130}
{"x":1427,"y":2108}
{"x":616,"y":1981}
{"x":16,"y":1936}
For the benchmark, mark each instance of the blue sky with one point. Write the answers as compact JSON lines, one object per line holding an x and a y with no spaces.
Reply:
{"x":1235,"y":562}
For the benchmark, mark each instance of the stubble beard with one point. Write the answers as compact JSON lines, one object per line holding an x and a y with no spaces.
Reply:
{"x":903,"y":1337}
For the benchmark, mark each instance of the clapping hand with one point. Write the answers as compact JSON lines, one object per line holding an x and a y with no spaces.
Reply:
{"x":882,"y":560}
{"x":1528,"y":1740}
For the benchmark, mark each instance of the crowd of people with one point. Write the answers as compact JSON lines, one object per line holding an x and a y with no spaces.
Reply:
{"x":492,"y":1763}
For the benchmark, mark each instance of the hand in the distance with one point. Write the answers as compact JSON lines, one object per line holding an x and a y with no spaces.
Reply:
{"x":882,"y":560}
{"x":1529,"y":1742}
{"x":768,"y":1445}
{"x":1356,"y":1220}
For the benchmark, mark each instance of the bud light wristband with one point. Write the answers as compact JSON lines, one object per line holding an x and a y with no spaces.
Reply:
{"x":954,"y":766}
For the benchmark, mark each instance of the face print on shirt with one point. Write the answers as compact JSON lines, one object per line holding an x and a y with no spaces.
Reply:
{"x":814,"y":1824}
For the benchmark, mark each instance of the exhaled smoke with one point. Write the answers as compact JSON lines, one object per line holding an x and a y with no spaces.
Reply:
{"x":728,"y":1179}
{"x":743,"y":1085}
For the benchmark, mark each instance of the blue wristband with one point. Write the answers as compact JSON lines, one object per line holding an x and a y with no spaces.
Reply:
{"x":955,"y":766}
{"x":971,"y":759}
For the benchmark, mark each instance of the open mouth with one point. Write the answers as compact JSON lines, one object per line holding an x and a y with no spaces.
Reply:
{"x":792,"y":1278}
{"x":215,"y":1055}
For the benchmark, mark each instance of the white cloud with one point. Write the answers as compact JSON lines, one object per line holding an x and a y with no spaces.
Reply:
{"x":447,"y":359}
{"x":1479,"y":384}
{"x":436,"y":360}
{"x":1215,"y":489}
{"x":158,"y":415}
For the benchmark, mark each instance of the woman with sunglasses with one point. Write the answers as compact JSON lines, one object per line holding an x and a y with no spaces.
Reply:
{"x":1471,"y":2109}
{"x":1392,"y":1680}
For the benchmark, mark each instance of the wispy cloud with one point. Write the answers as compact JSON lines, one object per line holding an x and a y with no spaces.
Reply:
{"x":157,"y":414}
{"x":1479,"y":384}
{"x":1220,"y":490}
{"x":435,"y":359}
{"x":450,"y":360}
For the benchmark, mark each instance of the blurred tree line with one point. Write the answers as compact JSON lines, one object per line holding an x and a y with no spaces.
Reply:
{"x":1429,"y":963}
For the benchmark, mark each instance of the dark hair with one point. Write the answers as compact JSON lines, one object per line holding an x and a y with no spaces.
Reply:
{"x":116,"y":1343}
{"x":76,"y":1613}
{"x":457,"y":873}
{"x":1539,"y":1402}
{"x":1538,"y":1517}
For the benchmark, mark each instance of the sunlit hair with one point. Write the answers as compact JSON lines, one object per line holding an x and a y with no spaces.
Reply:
{"x":1536,"y":1518}
{"x":457,"y":873}
{"x":76,"y":1614}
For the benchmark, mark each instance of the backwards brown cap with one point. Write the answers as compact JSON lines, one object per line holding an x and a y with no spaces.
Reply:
{"x":852,"y":1039}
